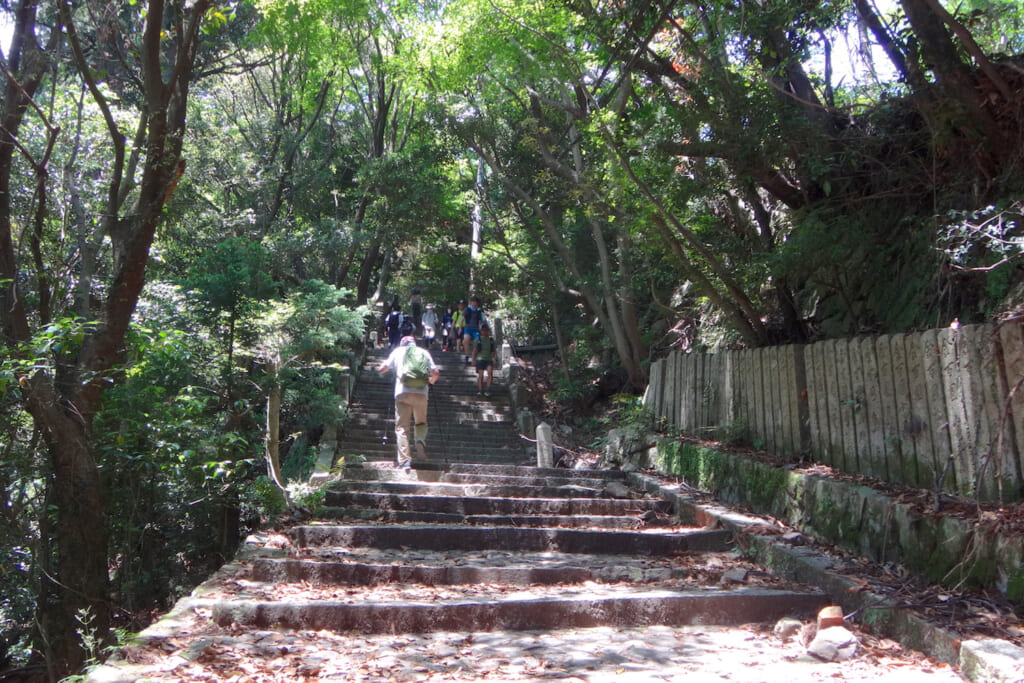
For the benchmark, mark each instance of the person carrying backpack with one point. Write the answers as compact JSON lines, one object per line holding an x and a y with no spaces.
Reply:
{"x":415,"y":371}
{"x":393,"y":325}
{"x":407,"y":328}
{"x":484,"y":355}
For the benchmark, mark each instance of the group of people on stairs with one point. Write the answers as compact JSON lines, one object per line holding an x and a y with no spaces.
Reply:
{"x":465,"y":329}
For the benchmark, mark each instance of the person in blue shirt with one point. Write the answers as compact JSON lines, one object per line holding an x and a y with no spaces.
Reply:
{"x":473,"y":317}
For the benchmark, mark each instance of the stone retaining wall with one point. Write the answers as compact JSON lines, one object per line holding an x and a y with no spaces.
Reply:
{"x":949,"y":549}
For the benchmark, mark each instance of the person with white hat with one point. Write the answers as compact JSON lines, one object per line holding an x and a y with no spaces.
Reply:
{"x":429,"y":326}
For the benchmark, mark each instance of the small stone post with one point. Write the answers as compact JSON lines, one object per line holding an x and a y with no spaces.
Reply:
{"x":498,"y":332}
{"x":545,"y":446}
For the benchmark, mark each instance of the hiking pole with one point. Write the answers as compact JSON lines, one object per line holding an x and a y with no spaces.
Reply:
{"x":391,"y":408}
{"x":431,"y":410}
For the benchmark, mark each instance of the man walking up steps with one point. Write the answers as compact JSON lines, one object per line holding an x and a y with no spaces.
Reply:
{"x":415,"y":371}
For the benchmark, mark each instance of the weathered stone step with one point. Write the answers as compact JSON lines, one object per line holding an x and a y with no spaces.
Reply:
{"x":374,"y":413}
{"x":485,"y":433}
{"x":369,"y":419}
{"x":437,"y":537}
{"x":475,"y":490}
{"x":531,"y":471}
{"x":354,"y":474}
{"x":411,"y":516}
{"x":439,"y":454}
{"x":465,"y":398}
{"x":616,"y":607}
{"x":481,"y":505}
{"x":429,"y":471}
{"x":544,"y":571}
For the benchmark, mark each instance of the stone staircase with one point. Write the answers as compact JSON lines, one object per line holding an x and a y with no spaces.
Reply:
{"x":464,"y":427}
{"x":527,"y":548}
{"x":411,"y":570}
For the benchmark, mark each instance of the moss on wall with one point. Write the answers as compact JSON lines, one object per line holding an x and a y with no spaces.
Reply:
{"x":942,"y":549}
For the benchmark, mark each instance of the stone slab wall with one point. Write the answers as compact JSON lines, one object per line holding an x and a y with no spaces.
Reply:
{"x":940,"y":409}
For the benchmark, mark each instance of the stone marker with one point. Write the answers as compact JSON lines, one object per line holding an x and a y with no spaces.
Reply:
{"x":834,"y":644}
{"x":787,"y":628}
{"x":545,"y":446}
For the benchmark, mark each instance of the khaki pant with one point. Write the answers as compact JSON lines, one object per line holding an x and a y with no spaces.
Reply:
{"x":409,"y":408}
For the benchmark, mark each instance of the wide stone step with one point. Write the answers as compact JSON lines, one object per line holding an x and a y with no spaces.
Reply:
{"x":423,"y":474}
{"x":595,"y":606}
{"x":407,"y":516}
{"x":437,"y":537}
{"x":532,"y":471}
{"x":384,"y":470}
{"x":483,"y":505}
{"x":472,"y":490}
{"x":440,"y":454}
{"x":349,"y":574}
{"x":507,"y":568}
{"x":383,"y":412}
{"x":482,"y":432}
{"x":385,"y":416}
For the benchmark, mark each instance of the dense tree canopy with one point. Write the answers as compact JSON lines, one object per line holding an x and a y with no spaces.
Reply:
{"x":197,"y":199}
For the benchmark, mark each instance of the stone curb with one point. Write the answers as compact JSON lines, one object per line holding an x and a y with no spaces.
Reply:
{"x":981,"y":660}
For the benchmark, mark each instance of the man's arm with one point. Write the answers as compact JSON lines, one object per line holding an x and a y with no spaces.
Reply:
{"x":434,"y":374}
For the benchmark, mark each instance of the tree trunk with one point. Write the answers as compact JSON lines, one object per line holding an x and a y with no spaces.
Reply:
{"x":366,"y":271}
{"x":274,"y":423}
{"x":73,"y":606}
{"x":962,"y":101}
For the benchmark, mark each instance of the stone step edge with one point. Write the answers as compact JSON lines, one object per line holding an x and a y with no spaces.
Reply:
{"x":592,"y":522}
{"x":981,"y":660}
{"x":667,"y":608}
{"x":454,"y":490}
{"x":444,"y":477}
{"x":436,"y":537}
{"x":499,"y":506}
{"x":323,"y":572}
{"x":512,"y":470}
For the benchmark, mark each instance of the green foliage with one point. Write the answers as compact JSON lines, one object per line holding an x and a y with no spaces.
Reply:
{"x":264,"y":497}
{"x":629,"y":412}
{"x":231,"y":279}
{"x":161,"y":444}
{"x":308,"y":496}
